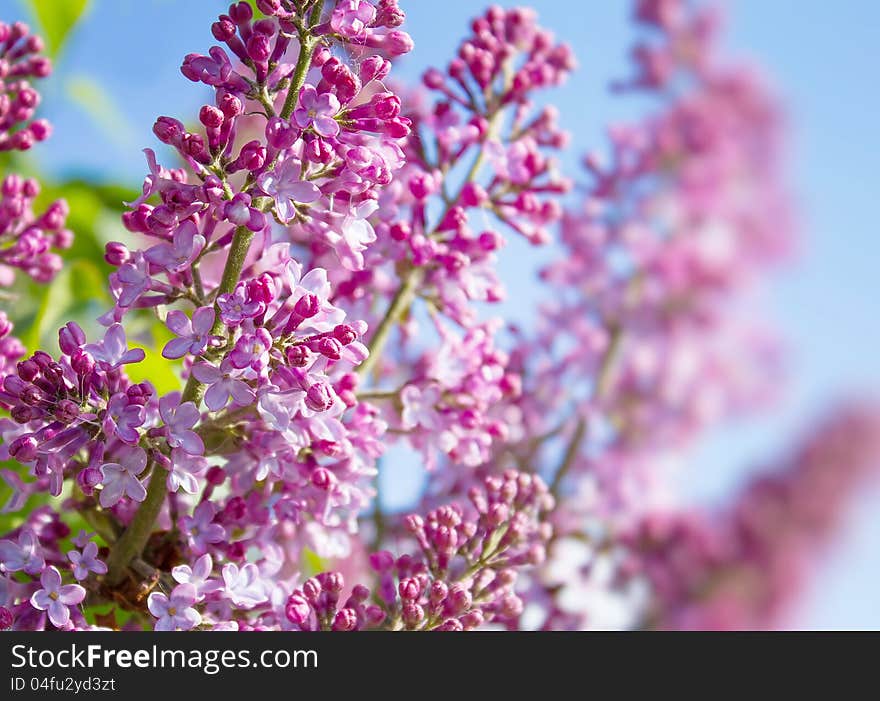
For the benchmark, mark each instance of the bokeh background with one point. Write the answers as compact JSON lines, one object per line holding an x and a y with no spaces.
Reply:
{"x":117,"y":68}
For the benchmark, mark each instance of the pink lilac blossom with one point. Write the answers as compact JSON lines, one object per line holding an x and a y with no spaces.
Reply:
{"x":324,"y":252}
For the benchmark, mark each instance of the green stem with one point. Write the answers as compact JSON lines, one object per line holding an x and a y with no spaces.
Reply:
{"x":307,"y":44}
{"x":400,"y":303}
{"x":133,"y":540}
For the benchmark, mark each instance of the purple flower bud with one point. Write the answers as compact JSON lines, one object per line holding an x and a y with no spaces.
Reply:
{"x":24,"y":448}
{"x":439,"y":592}
{"x":472,"y":619}
{"x":330,"y":348}
{"x":307,"y":306}
{"x":23,"y":414}
{"x":230,"y":105}
{"x":215,"y":476}
{"x":409,"y":589}
{"x":269,"y":7}
{"x":312,"y":589}
{"x":331,"y":582}
{"x":345,"y":334}
{"x":280,"y":134}
{"x":28,"y":370}
{"x":345,"y":619}
{"x":297,"y":609}
{"x":88,"y":478}
{"x":71,"y":338}
{"x":82,"y":363}
{"x":375,"y":615}
{"x":259,"y":47}
{"x":297,"y":356}
{"x":381,"y":561}
{"x":458,"y":600}
{"x":212,"y":117}
{"x":5,"y":618}
{"x":322,"y":478}
{"x":169,"y":130}
{"x":413,"y":614}
{"x":66,"y":411}
{"x":223,"y":29}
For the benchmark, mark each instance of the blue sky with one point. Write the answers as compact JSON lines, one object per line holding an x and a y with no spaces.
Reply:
{"x":822,"y":56}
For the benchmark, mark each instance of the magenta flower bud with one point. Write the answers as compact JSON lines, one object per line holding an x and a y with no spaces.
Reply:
{"x":400,"y":231}
{"x":345,"y":334}
{"x":40,"y":129}
{"x":212,"y":117}
{"x":473,"y":195}
{"x":297,"y":609}
{"x":297,"y":356}
{"x":498,"y":514}
{"x":398,"y":43}
{"x":223,"y":29}
{"x":413,"y":614}
{"x":433,"y":79}
{"x":472,"y":619}
{"x":381,"y":561}
{"x":116,"y":253}
{"x":193,"y":145}
{"x":5,"y":325}
{"x":24,"y":448}
{"x":330,"y":348}
{"x":261,"y":289}
{"x":235,"y":551}
{"x":332,"y":582}
{"x":414,"y":523}
{"x":230,"y":105}
{"x":409,"y":589}
{"x":252,"y":156}
{"x":375,"y":615}
{"x":374,"y":68}
{"x":511,"y":606}
{"x":269,"y":7}
{"x":88,"y":478}
{"x":28,"y":370}
{"x":66,"y":411}
{"x":259,"y":47}
{"x":345,"y":619}
{"x":360,"y":593}
{"x":458,"y":600}
{"x":169,"y":130}
{"x":280,"y":134}
{"x":31,"y":395}
{"x":215,"y":476}
{"x":451,"y":625}
{"x":23,"y":414}
{"x":439,"y":592}
{"x":71,"y":338}
{"x":319,"y":397}
{"x":322,"y":478}
{"x":307,"y":306}
{"x":241,"y":13}
{"x":5,"y":618}
{"x":82,"y":363}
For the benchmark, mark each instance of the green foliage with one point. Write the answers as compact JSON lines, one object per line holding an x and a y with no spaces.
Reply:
{"x":57,"y":18}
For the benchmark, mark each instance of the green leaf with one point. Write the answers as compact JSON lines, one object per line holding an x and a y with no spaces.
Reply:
{"x":57,"y":18}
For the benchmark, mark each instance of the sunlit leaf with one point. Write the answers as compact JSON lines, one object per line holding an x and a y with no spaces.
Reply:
{"x":57,"y":18}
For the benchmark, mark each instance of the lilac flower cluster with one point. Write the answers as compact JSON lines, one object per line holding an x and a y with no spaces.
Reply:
{"x":28,"y":240}
{"x":738,"y":569}
{"x":20,"y":60}
{"x":463,"y":576}
{"x":321,"y":248}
